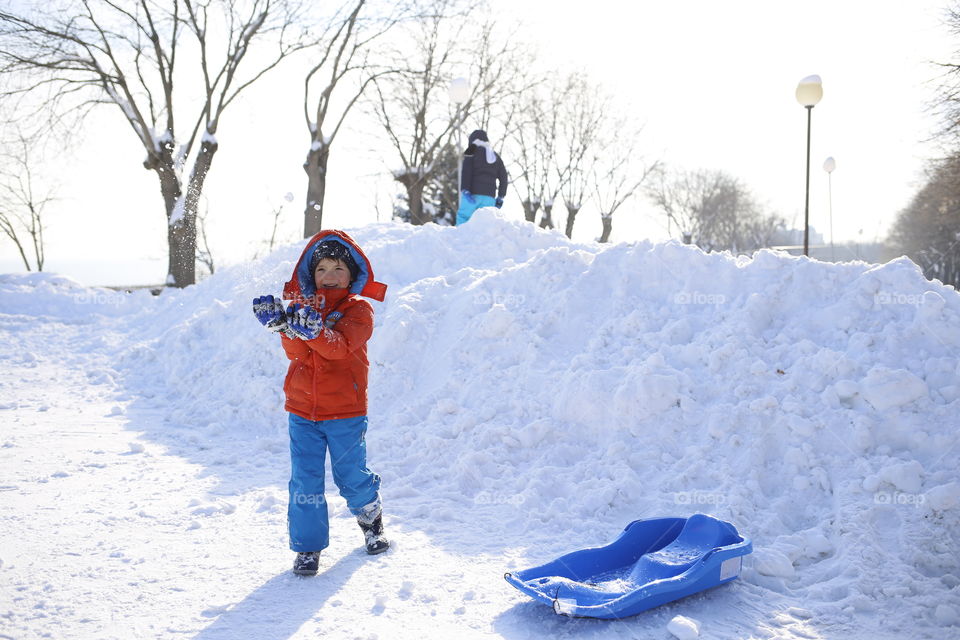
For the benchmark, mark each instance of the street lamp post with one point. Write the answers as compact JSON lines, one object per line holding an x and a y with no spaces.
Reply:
{"x":829,"y":165}
{"x":459,"y":94}
{"x":809,"y":92}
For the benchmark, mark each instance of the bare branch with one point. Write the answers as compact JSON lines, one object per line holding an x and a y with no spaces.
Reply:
{"x":126,"y":52}
{"x":22,"y":202}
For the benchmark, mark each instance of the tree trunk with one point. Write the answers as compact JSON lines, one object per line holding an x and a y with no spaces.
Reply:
{"x":571,"y":218}
{"x":546,"y":222}
{"x":316,"y":168}
{"x":607,"y":228}
{"x":23,"y":254}
{"x":415,"y":202}
{"x":413,"y":182}
{"x":530,"y":208}
{"x":163,"y":165}
{"x":182,"y":241}
{"x":182,"y":212}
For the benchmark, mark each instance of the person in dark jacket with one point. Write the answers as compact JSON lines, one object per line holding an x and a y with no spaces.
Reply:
{"x":483,"y":178}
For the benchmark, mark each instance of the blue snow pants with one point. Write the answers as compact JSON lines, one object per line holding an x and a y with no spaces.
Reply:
{"x":465,"y":212}
{"x":309,"y":440}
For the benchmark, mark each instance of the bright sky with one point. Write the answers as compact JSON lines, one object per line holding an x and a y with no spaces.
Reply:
{"x":713,"y":81}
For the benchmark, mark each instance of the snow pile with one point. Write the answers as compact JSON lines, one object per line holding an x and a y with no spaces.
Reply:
{"x":529,"y":391}
{"x":60,"y":297}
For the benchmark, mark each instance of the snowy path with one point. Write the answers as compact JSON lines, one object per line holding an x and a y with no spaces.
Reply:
{"x":110,"y":533}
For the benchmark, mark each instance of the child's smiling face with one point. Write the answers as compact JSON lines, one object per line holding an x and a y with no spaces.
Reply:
{"x":331,"y":274}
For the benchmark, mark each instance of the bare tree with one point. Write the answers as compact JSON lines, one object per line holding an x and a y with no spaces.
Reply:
{"x":582,"y":117}
{"x":410,"y":105}
{"x":947,"y":101}
{"x":23,"y":201}
{"x":413,"y":104}
{"x":535,"y":139}
{"x":695,"y":202}
{"x":130,"y":55}
{"x":761,"y":230}
{"x":548,"y":131}
{"x":441,"y":193}
{"x":619,"y":171}
{"x":715,"y":210}
{"x":267,"y":246}
{"x":928,"y":229}
{"x":532,"y":157}
{"x":276,"y":222}
{"x":500,"y":72}
{"x":345,"y":58}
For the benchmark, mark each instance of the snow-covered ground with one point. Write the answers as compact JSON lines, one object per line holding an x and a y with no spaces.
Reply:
{"x":529,"y":396}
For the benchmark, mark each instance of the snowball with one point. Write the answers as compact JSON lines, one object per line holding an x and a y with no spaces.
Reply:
{"x":817,"y":544}
{"x":684,"y":628}
{"x":943,"y":497}
{"x":846,"y":389}
{"x":643,"y":395}
{"x":906,"y":476}
{"x":887,"y":388}
{"x":496,"y":323}
{"x":946,"y":615}
{"x":447,"y":406}
{"x":770,"y":562}
{"x":268,"y":503}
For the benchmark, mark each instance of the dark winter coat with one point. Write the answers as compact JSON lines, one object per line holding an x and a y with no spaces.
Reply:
{"x":480,"y":177}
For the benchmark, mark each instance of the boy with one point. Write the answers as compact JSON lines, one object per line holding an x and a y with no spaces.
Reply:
{"x":324,"y":333}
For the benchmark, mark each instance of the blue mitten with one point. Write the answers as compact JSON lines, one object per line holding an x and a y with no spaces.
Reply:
{"x":304,"y":322}
{"x":269,"y":312}
{"x":499,"y":202}
{"x":468,"y":196}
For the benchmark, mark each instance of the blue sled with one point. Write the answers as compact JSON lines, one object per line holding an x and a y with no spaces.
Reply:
{"x":652,"y":562}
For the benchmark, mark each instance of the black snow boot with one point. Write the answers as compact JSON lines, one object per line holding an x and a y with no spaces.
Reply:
{"x":306,"y":563}
{"x":371,"y":522}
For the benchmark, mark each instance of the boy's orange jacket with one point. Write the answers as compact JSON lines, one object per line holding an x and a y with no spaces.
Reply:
{"x":327,"y":377}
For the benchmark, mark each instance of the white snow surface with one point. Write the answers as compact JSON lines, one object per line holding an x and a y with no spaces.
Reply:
{"x":529,"y":396}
